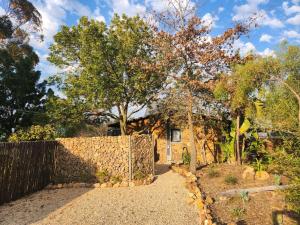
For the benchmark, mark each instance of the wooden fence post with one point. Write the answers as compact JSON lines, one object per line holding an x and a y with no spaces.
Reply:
{"x":130,"y":160}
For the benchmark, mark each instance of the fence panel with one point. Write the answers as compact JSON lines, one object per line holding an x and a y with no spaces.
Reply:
{"x":25,"y":167}
{"x":142,"y":155}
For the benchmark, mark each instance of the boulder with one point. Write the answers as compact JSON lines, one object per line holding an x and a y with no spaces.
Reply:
{"x":248,"y":173}
{"x":199,"y":203}
{"x":104,"y":185}
{"x":209,"y":200}
{"x":190,"y":200}
{"x":124,"y":184}
{"x":262,"y":175}
{"x":96,"y":185}
{"x":116,"y":185}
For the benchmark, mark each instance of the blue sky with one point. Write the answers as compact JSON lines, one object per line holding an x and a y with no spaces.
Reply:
{"x":279,"y":20}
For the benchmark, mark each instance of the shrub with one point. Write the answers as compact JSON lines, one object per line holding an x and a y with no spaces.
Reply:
{"x":244,"y":196}
{"x":230,"y":179}
{"x":34,"y":133}
{"x":103,"y":176}
{"x":115,"y":179}
{"x":238,"y":212}
{"x":139,"y":175}
{"x":213,"y":173}
{"x":277,"y":179}
{"x":186,"y":158}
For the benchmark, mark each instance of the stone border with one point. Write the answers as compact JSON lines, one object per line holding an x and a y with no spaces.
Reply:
{"x":196,"y":196}
{"x":134,"y":183}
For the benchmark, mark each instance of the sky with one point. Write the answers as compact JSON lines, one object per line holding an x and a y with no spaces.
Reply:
{"x":279,"y":20}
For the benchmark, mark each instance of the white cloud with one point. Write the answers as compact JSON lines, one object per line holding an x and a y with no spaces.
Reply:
{"x":294,"y":20}
{"x":128,"y":7}
{"x":291,"y":34}
{"x":209,"y":20}
{"x":295,"y":1}
{"x":2,"y":11}
{"x":267,"y":52}
{"x":290,"y":10}
{"x":244,"y":48}
{"x":220,"y":9}
{"x":161,"y":5}
{"x":251,"y":8}
{"x":54,"y":14}
{"x":265,"y":38}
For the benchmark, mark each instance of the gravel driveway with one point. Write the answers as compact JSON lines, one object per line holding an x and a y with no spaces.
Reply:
{"x":162,"y":202}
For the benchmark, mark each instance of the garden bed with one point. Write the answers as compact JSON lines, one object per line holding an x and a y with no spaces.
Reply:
{"x":262,"y":208}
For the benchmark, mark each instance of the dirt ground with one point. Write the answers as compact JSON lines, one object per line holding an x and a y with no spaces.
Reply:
{"x":162,"y":202}
{"x":264,"y":208}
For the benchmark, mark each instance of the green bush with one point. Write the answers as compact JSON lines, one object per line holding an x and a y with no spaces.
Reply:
{"x":34,"y":133}
{"x":230,"y":179}
{"x":286,"y":161}
{"x":186,"y":158}
{"x":238,"y":212}
{"x":213,"y":173}
{"x":139,"y":175}
{"x":103,"y":176}
{"x":115,"y":179}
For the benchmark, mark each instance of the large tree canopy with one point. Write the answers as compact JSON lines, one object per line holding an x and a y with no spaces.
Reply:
{"x":20,"y":93}
{"x":98,"y":69}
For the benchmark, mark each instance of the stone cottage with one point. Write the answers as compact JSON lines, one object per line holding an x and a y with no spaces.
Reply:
{"x":171,"y":140}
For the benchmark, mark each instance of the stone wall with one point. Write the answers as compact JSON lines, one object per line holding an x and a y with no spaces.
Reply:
{"x":79,"y":159}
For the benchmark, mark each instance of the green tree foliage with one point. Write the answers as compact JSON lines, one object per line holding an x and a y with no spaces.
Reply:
{"x":20,"y":93}
{"x":18,"y":13}
{"x":100,"y":76}
{"x":34,"y":133}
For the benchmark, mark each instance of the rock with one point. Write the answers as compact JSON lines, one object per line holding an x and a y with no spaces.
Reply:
{"x":223,"y":198}
{"x":104,"y":185}
{"x":248,"y":173}
{"x":60,"y":186}
{"x":116,"y":185}
{"x":124,"y":184}
{"x":89,"y":185}
{"x":209,"y":200}
{"x":131,"y":184}
{"x":262,"y":175}
{"x":109,"y":184}
{"x":208,"y":222}
{"x":188,"y":174}
{"x":49,"y":186}
{"x":96,"y":185}
{"x":138,"y":182}
{"x":190,"y":200}
{"x":199,"y":203}
{"x":192,"y":195}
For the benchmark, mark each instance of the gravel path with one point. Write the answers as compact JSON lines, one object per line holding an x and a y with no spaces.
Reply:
{"x":163,"y":202}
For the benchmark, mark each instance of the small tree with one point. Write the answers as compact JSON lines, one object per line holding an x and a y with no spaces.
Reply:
{"x":193,"y":57}
{"x":99,"y":74}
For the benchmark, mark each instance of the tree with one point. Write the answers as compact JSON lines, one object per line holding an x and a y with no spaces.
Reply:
{"x":193,"y":57}
{"x":103,"y":80}
{"x":20,"y":93}
{"x":17,"y":14}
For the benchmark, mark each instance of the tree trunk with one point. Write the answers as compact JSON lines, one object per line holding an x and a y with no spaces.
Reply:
{"x":191,"y":134}
{"x":238,"y":153}
{"x":123,"y":120}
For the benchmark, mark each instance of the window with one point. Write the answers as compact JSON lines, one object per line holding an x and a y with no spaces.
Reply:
{"x":175,"y":135}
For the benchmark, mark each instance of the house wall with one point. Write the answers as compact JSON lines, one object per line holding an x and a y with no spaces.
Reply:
{"x":178,"y":147}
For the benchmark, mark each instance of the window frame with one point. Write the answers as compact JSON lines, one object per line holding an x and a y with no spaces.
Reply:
{"x":172,"y":136}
